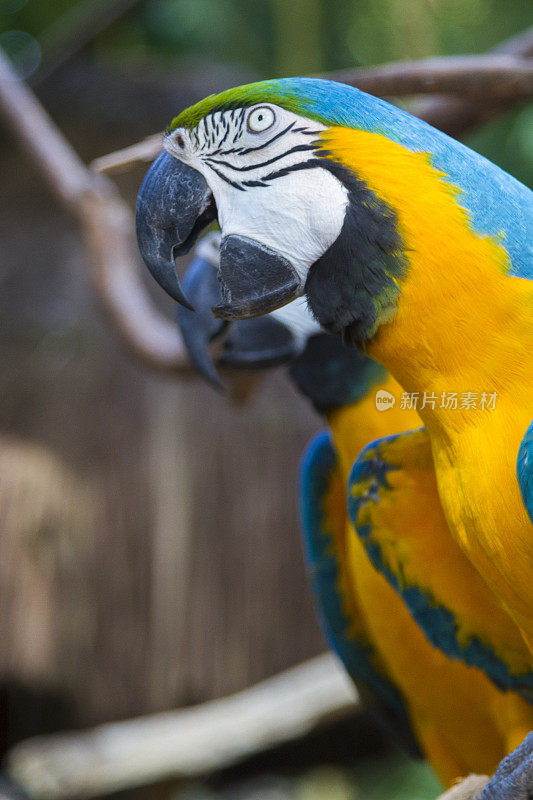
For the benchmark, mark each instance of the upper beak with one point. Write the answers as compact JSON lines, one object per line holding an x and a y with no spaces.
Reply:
{"x":254,"y":279}
{"x":173,"y":206}
{"x":247,"y":344}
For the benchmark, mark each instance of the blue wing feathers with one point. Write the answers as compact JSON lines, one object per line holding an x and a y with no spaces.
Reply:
{"x":525,"y":470}
{"x":319,"y":467}
{"x":437,"y":621}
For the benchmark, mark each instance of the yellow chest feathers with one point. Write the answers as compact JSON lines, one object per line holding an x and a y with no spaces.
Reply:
{"x":459,"y":313}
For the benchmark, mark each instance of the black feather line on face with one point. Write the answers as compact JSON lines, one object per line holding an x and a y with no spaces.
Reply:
{"x":225,"y":178}
{"x":227,"y":128}
{"x":254,"y":183}
{"x":240,"y":127}
{"x":355,"y":278}
{"x":297,"y":149}
{"x":244,"y":151}
{"x":306,"y":132}
{"x":312,"y":163}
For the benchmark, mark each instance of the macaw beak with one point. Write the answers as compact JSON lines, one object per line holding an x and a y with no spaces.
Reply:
{"x":254,"y":279}
{"x":248,"y":344}
{"x":174,"y":205}
{"x":200,"y":328}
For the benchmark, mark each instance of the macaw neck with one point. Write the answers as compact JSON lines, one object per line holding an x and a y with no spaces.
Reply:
{"x":461,"y":323}
{"x":333,"y":376}
{"x":472,"y":341}
{"x":357,"y":424}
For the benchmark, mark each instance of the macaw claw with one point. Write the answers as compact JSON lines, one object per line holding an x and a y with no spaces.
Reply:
{"x":513,"y":779}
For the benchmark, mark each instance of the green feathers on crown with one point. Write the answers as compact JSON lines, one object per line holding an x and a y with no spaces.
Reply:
{"x":273,"y":91}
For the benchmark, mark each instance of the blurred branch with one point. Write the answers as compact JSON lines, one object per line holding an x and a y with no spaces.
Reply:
{"x":494,"y":75}
{"x":468,"y":789}
{"x":121,"y":160}
{"x":519,"y":45}
{"x":107,"y":224}
{"x":506,"y":72}
{"x":186,"y":743}
{"x":456,"y":115}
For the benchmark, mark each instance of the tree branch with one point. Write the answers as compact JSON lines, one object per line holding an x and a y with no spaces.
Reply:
{"x":456,"y":116}
{"x":468,"y":789}
{"x":122,"y":160}
{"x":187,"y":743}
{"x":500,"y":76}
{"x":519,"y":45}
{"x":107,"y":224}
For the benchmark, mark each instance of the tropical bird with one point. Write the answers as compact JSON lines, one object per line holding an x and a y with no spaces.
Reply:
{"x":405,"y":243}
{"x":461,"y":721}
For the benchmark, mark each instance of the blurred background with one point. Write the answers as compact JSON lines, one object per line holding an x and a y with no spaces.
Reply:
{"x":149,"y":551}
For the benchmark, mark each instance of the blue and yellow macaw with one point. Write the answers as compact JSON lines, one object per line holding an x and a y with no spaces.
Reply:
{"x":461,"y":721}
{"x":405,"y":243}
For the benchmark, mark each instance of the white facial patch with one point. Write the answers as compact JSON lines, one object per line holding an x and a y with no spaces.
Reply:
{"x":260,"y":163}
{"x":299,"y":215}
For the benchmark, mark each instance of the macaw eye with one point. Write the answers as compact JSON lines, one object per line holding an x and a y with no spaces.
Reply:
{"x":261,"y":119}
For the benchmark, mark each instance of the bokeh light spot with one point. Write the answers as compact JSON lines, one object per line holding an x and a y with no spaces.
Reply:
{"x":23,"y":50}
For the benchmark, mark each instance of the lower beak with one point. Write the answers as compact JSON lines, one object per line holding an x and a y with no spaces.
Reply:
{"x":173,"y":206}
{"x":254,"y":279}
{"x":200,"y":328}
{"x":248,"y":344}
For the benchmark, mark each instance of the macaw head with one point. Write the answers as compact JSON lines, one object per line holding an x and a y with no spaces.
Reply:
{"x":324,"y":370}
{"x":294,"y":218}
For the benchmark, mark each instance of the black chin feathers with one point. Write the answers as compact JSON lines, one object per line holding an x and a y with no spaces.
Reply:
{"x":352,"y":287}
